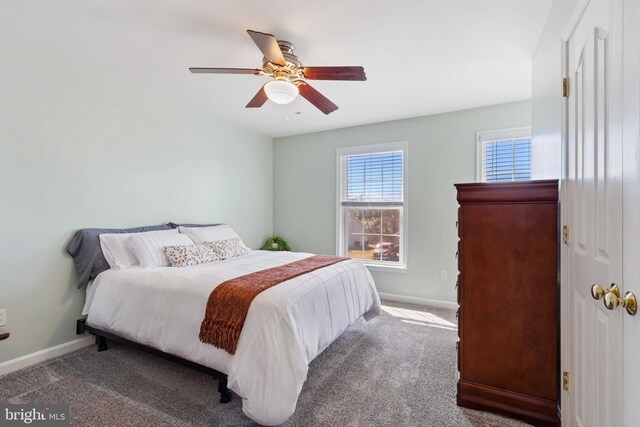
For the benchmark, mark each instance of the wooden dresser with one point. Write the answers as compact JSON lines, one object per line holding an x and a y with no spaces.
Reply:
{"x":508,"y":294}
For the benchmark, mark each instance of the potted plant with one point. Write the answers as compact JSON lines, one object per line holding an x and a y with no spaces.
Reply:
{"x":275,"y":243}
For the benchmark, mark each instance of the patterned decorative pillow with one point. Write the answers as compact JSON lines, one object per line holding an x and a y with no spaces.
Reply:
{"x":185,"y":255}
{"x":229,"y":248}
{"x":235,"y":248}
{"x":219,"y":247}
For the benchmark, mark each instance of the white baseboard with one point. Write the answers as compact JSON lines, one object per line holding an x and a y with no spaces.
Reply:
{"x":46,"y":354}
{"x":420,"y":301}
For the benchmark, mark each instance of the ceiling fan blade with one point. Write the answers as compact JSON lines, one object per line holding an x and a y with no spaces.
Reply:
{"x":334,"y":73}
{"x":258,"y":100}
{"x":268,"y":44}
{"x":316,"y":98}
{"x":225,"y":70}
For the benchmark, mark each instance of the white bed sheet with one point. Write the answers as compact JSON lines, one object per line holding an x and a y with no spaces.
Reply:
{"x":287,"y":325}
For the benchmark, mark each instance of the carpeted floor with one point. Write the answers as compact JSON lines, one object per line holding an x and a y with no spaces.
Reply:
{"x":397,"y":370}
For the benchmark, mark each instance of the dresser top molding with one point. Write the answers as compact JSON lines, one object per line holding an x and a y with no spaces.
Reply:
{"x":509,"y":192}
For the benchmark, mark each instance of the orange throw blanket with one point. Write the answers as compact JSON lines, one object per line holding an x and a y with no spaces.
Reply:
{"x":229,"y":302}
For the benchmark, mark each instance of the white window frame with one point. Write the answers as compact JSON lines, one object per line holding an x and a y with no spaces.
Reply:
{"x":483,"y":137}
{"x":340,"y":218}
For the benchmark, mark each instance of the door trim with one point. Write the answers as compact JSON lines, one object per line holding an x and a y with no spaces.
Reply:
{"x":574,"y":19}
{"x":566,"y":346}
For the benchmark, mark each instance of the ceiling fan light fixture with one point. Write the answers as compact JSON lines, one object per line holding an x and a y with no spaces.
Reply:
{"x":281,"y":91}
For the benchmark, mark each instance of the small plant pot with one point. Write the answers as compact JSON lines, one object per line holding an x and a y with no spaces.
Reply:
{"x":275,"y":243}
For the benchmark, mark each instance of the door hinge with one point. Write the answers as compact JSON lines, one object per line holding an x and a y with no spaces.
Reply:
{"x":565,"y":87}
{"x":565,"y":381}
{"x":565,"y":234}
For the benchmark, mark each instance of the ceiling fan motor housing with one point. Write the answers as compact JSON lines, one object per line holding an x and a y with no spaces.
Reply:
{"x":287,"y":51}
{"x":291,"y":71}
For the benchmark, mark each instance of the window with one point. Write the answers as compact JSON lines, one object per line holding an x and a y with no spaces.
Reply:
{"x":371,"y":201}
{"x":504,"y":155}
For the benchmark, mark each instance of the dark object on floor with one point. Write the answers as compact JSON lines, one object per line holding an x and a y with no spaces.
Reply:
{"x":508,"y":295}
{"x":225,"y":393}
{"x":4,"y":334}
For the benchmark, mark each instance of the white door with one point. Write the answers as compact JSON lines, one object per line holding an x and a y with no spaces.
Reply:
{"x":602,"y":162}
{"x":593,"y":201}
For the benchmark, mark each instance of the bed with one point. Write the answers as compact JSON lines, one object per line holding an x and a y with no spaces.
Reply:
{"x":286,"y":327}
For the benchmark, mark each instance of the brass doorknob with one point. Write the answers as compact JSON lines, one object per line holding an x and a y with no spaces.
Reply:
{"x":628,"y":302}
{"x":597,"y":291}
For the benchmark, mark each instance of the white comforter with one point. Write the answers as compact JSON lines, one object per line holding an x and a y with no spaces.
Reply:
{"x":287,"y":325}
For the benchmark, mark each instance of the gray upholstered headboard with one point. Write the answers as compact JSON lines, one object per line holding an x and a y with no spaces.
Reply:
{"x":85,"y":248}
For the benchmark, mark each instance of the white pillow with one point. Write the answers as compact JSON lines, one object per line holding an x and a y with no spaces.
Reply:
{"x":213,"y":233}
{"x":116,"y":251}
{"x":148,"y":247}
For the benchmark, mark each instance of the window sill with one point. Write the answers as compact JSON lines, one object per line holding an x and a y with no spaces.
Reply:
{"x":387,"y":268}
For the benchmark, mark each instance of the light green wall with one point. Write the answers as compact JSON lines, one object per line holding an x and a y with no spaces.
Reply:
{"x":78,"y":148}
{"x":441,"y":153}
{"x":54,"y":182}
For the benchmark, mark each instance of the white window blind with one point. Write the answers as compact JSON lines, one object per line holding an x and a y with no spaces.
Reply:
{"x":372,"y":179}
{"x":504,"y":155}
{"x":371,"y":183}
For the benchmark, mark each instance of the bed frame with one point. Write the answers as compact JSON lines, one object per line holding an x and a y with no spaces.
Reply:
{"x":102,"y":338}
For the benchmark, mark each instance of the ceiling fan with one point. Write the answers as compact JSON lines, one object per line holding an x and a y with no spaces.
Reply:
{"x":289,"y":75}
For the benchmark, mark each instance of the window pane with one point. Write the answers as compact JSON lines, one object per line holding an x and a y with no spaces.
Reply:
{"x":355,"y":237}
{"x":391,"y":221}
{"x":388,"y":249}
{"x":373,"y":234}
{"x":371,"y":219}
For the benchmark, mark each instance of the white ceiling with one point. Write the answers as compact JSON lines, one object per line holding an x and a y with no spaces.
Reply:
{"x":421,"y":56}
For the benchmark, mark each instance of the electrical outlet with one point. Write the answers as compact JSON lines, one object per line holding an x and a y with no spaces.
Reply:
{"x":3,"y":317}
{"x":443,"y":274}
